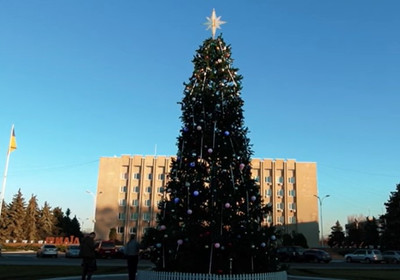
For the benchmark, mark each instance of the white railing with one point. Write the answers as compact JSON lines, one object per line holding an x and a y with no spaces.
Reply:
{"x":162,"y":275}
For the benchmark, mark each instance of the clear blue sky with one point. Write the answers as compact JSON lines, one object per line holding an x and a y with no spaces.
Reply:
{"x":86,"y":79}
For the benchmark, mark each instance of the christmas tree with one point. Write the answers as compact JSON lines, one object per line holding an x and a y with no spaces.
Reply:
{"x":211,"y":215}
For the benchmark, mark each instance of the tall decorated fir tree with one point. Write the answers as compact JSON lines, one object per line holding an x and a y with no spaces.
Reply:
{"x":210,"y":218}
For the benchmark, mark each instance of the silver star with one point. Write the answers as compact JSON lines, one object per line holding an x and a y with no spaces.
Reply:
{"x":214,"y":23}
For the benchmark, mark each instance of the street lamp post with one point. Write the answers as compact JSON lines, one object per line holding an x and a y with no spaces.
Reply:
{"x":94,"y":206}
{"x":320,"y":214}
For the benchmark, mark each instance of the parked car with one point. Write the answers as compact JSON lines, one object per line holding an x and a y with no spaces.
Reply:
{"x":290,"y":254}
{"x":105,"y":249}
{"x":47,"y":250}
{"x":364,"y":255}
{"x":391,"y":256}
{"x":72,"y":251}
{"x":316,"y":255}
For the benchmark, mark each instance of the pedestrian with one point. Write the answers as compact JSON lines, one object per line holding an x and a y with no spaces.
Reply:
{"x":87,"y":252}
{"x":131,"y":251}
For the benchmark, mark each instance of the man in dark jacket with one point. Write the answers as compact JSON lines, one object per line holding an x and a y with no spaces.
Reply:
{"x":131,"y":251}
{"x":88,"y":255}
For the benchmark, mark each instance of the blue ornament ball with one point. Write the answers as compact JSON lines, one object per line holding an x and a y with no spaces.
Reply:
{"x":192,"y":164}
{"x":176,"y":200}
{"x":195,"y":193}
{"x":226,"y":133}
{"x":158,"y":245}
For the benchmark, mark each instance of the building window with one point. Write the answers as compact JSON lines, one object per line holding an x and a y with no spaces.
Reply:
{"x":150,"y":176}
{"x":134,"y":216}
{"x":268,"y":192}
{"x":136,"y":189}
{"x":292,"y":193}
{"x":160,"y":189}
{"x":256,"y":178}
{"x":268,"y":218}
{"x":292,"y":220}
{"x":281,"y":220}
{"x":291,"y":180}
{"x":280,"y":206}
{"x":161,"y":177}
{"x":124,"y":176}
{"x":279,"y":180}
{"x":136,"y":176}
{"x":132,"y":230}
{"x":280,"y":193}
{"x":135,"y":202}
{"x":147,"y":202}
{"x":268,"y":179}
{"x":122,"y":202}
{"x":148,"y":189}
{"x":120,"y":229}
{"x":123,"y":189}
{"x":146,"y":217}
{"x":292,"y":206}
{"x":121,"y":216}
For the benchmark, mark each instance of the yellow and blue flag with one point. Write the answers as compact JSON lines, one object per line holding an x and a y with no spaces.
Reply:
{"x":13,"y":142}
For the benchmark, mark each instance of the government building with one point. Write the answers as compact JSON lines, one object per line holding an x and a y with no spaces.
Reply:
{"x":130,"y":188}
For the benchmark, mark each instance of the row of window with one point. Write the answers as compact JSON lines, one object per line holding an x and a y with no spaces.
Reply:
{"x":161,"y":177}
{"x":280,"y":192}
{"x":136,"y":176}
{"x":281,"y":219}
{"x":132,"y":230}
{"x":136,"y":189}
{"x":135,"y":202}
{"x":281,"y":206}
{"x":279,"y":179}
{"x":135,"y":216}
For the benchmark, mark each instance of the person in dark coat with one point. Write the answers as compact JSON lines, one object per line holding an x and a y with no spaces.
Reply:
{"x":131,"y":251}
{"x":87,"y":252}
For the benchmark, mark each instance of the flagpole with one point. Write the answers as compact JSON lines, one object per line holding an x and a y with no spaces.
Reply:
{"x":3,"y":188}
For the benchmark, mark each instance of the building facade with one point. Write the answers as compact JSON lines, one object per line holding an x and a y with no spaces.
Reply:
{"x":130,"y":188}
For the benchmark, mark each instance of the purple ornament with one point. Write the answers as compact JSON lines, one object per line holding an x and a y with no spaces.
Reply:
{"x":241,"y":166}
{"x":217,"y":245}
{"x":210,"y":150}
{"x":163,"y":227}
{"x":226,"y":133}
{"x":189,"y":211}
{"x":227,"y":205}
{"x":185,"y":129}
{"x":196,"y":193}
{"x":253,"y":198}
{"x":180,"y":241}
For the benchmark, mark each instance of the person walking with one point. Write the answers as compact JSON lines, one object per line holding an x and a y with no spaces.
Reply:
{"x":88,"y":254}
{"x":131,"y":251}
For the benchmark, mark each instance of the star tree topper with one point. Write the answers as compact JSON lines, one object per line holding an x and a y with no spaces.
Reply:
{"x":214,"y":23}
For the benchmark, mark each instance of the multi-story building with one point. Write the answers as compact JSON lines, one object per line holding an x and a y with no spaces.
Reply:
{"x":130,"y":188}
